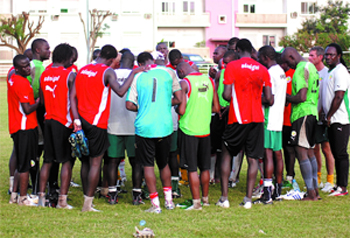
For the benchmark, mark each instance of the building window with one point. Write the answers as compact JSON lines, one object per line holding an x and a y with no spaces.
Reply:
{"x":188,"y":7}
{"x":269,"y":40}
{"x":249,"y":8}
{"x":168,"y":8}
{"x":222,"y":19}
{"x":308,"y":7}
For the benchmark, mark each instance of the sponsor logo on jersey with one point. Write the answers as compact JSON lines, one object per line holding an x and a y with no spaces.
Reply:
{"x":51,"y":79}
{"x":89,"y":73}
{"x":250,"y":66}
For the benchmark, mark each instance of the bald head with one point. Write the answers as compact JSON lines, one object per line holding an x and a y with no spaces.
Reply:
{"x":183,"y":69}
{"x":292,"y":57}
{"x":219,"y":53}
{"x":127,"y":60}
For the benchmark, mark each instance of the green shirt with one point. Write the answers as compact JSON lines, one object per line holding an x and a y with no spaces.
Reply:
{"x":196,"y":120}
{"x":222,"y":101}
{"x":36,"y":65}
{"x":305,"y":76}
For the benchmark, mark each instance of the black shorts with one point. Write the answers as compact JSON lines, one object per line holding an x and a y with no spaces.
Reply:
{"x":321,"y":134}
{"x":303,"y":132}
{"x":57,"y":147}
{"x":97,"y":137}
{"x":146,"y":149}
{"x":194,"y":151}
{"x":26,"y":147}
{"x":286,"y":135}
{"x":249,"y":137}
{"x":217,"y":128}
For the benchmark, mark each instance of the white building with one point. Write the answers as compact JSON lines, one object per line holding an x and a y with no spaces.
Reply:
{"x":136,"y":24}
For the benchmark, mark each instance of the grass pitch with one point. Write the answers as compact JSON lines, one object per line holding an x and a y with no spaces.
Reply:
{"x":329,"y":217}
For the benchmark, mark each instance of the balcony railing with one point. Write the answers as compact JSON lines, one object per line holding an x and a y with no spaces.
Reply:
{"x":258,"y":20}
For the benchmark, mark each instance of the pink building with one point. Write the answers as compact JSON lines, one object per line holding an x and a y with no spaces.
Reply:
{"x":222,"y":22}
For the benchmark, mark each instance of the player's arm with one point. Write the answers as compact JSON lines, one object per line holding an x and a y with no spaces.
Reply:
{"x":267,"y":98}
{"x":71,"y":79}
{"x":216,"y":105}
{"x":41,"y":96}
{"x":27,"y":108}
{"x":120,"y":90}
{"x":227,"y":92}
{"x":217,"y":80}
{"x":212,"y":72}
{"x":74,"y":107}
{"x":337,"y":100}
{"x":298,"y":98}
{"x":131,"y":106}
{"x":177,"y":99}
{"x":181,"y":109}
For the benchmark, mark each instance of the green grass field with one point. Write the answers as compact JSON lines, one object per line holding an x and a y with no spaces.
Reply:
{"x":329,"y":217}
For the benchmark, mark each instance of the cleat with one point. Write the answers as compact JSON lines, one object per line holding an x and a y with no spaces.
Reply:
{"x":327,"y":187}
{"x":113,"y":198}
{"x":69,"y":207}
{"x":74,"y":185}
{"x":339,"y":192}
{"x":263,"y":201}
{"x":26,"y":202}
{"x":137,"y":200}
{"x":185,"y":204}
{"x":83,"y":142}
{"x":169,"y":205}
{"x":246,"y":205}
{"x":192,"y":207}
{"x":293,"y":195}
{"x":154,"y":209}
{"x":224,"y":204}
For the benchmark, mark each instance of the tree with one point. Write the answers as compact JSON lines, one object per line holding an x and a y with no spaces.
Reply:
{"x":96,"y":28}
{"x":331,"y":26}
{"x":21,"y":29}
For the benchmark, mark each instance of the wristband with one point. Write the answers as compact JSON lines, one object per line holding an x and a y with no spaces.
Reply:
{"x":77,"y":122}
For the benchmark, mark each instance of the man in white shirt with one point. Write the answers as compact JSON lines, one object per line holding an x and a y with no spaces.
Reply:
{"x":335,"y":103}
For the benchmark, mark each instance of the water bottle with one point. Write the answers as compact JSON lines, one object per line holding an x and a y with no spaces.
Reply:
{"x":295,"y":185}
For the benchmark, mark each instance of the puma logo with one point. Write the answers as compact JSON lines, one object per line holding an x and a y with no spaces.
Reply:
{"x":48,"y":88}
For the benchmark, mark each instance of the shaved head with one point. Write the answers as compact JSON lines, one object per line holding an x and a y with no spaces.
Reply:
{"x":292,"y":57}
{"x":183,"y":69}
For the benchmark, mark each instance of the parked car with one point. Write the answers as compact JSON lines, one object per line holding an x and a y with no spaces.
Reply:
{"x":202,"y":65}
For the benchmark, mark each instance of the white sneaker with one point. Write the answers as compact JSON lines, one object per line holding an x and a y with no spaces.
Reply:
{"x":193,"y":208}
{"x":327,"y":187}
{"x":224,"y":204}
{"x":293,"y":195}
{"x":154,"y":209}
{"x":169,"y":205}
{"x":27,"y":202}
{"x":246,"y":205}
{"x":74,"y":185}
{"x":69,"y":207}
{"x":33,"y":198}
{"x":321,"y":185}
{"x":339,"y":192}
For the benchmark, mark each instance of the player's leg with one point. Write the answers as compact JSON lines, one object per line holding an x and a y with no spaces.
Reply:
{"x":162,"y":153}
{"x":326,"y":150}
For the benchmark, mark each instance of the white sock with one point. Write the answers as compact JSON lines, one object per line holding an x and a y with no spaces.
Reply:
{"x":11,"y":179}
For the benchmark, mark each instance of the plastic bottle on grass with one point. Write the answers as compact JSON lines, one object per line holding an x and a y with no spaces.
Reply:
{"x":295,"y":185}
